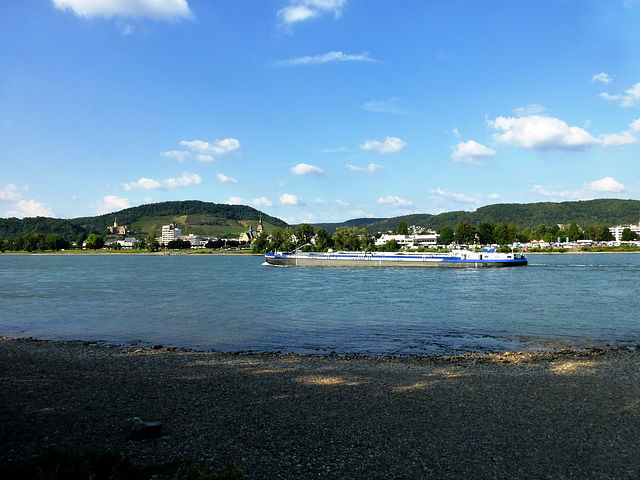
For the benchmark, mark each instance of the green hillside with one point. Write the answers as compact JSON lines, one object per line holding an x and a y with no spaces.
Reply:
{"x":589,"y":212}
{"x":192,"y":216}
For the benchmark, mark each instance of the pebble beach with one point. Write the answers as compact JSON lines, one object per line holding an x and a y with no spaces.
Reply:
{"x":509,"y":415}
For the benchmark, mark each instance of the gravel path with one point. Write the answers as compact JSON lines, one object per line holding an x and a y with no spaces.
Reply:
{"x":566,"y":415}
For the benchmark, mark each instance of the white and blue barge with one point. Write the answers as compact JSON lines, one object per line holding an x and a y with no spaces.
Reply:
{"x":487,"y":258}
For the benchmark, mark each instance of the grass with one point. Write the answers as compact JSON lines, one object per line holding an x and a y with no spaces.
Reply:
{"x":55,"y":463}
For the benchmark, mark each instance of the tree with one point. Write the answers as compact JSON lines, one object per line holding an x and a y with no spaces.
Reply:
{"x":322,"y":239}
{"x":402,"y":229}
{"x":55,"y":242}
{"x":501,"y":233}
{"x":573,"y":232}
{"x":390,"y":246}
{"x":628,"y":235}
{"x":95,"y":241}
{"x":347,"y":238}
{"x":80,"y":239}
{"x":485,"y":233}
{"x":259,"y":245}
{"x":446,"y":235}
{"x":303,"y":233}
{"x":152,"y":244}
{"x":464,"y":233}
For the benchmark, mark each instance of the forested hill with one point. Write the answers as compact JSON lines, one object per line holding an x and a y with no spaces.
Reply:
{"x":607,"y":212}
{"x":193,"y":216}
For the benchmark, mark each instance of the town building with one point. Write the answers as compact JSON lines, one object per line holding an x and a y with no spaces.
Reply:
{"x":116,"y":229}
{"x":170,"y":232}
{"x":429,"y":239}
{"x":617,"y":231}
{"x":251,"y":235}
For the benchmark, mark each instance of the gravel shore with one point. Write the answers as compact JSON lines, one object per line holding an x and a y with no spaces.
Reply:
{"x":537,"y":415}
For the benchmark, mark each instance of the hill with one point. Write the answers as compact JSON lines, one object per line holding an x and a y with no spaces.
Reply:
{"x":588,"y":212}
{"x":192,"y":216}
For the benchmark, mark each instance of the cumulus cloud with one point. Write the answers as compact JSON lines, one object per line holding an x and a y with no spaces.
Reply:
{"x":12,"y":193}
{"x":390,"y":145}
{"x":556,"y":192}
{"x":112,"y":203}
{"x":289,"y":199}
{"x":541,"y":133}
{"x":187,"y":179}
{"x":179,"y":155}
{"x":629,"y":99}
{"x":306,"y":169}
{"x":302,"y":10}
{"x":602,"y":77}
{"x":456,"y":197}
{"x":29,"y":208}
{"x":262,"y":202}
{"x":607,"y":184}
{"x":625,"y":138}
{"x":370,"y":169}
{"x":234,"y":201}
{"x":167,"y":10}
{"x":225,"y":179}
{"x":218,"y":147}
{"x":394,"y":201}
{"x":324,"y":58}
{"x":20,"y":206}
{"x":471,"y":152}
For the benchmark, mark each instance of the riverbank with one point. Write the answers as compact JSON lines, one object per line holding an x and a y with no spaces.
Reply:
{"x":536,"y":415}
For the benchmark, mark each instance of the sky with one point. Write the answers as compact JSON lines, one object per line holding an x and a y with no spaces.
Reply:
{"x":316,"y":110}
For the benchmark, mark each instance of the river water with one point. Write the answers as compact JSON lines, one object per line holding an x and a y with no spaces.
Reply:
{"x":235,"y":303}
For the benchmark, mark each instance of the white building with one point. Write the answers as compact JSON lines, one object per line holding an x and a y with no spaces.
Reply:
{"x":617,"y":231}
{"x":170,"y":232}
{"x":411,"y":241}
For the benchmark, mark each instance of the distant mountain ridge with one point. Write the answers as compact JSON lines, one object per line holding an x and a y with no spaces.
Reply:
{"x":525,"y":215}
{"x":222,"y":220}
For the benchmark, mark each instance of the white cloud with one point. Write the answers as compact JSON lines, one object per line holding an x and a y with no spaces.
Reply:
{"x":556,"y":192}
{"x":301,"y":10}
{"x":370,"y":169}
{"x":456,"y":197}
{"x":528,"y":110}
{"x":386,"y":106}
{"x":204,"y":158}
{"x":30,"y":208}
{"x":324,"y":58}
{"x":618,"y":139}
{"x":390,"y":145}
{"x":218,"y":147}
{"x":394,"y":201}
{"x":607,"y":184}
{"x":631,"y":98}
{"x":471,"y":152}
{"x":179,"y":155}
{"x":225,"y":179}
{"x":112,"y":203}
{"x":318,"y":201}
{"x":602,"y":77}
{"x":186,"y":180}
{"x":342,"y":204}
{"x":262,"y":202}
{"x":541,"y":133}
{"x":143,"y":184}
{"x":152,"y":9}
{"x":624,"y":138}
{"x":12,"y":193}
{"x":306,"y":169}
{"x":289,"y":199}
{"x":234,"y":201}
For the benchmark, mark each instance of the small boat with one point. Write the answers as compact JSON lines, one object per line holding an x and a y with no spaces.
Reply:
{"x":488,"y":257}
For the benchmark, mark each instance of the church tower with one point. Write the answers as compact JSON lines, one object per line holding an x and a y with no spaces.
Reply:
{"x":260,"y":226}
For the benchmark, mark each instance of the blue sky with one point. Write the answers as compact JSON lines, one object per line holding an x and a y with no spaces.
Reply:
{"x":316,"y":110}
